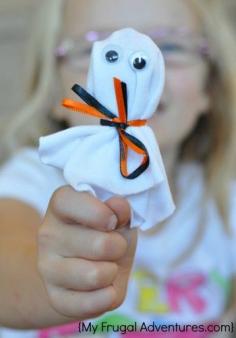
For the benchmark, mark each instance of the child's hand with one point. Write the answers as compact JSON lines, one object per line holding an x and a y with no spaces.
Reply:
{"x":84,"y":263}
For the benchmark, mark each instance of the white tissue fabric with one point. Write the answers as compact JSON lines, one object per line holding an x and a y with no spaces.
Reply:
{"x":89,"y":155}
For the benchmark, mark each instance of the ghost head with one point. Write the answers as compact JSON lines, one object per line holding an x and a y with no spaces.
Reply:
{"x":136,"y":60}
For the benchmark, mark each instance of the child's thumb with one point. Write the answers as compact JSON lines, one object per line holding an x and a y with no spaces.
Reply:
{"x":120,"y":206}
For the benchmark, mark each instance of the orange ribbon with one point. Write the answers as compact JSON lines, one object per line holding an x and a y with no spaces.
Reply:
{"x":94,"y":108}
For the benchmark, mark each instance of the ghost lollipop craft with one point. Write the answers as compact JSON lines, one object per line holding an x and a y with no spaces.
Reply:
{"x":121,"y":155}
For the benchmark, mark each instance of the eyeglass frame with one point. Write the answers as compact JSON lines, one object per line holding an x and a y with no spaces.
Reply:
{"x":66,"y":45}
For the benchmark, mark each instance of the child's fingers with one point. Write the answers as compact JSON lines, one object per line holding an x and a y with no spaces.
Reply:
{"x":121,"y":208}
{"x":73,"y":240}
{"x":82,"y":305}
{"x":124,"y":266}
{"x":82,"y":208}
{"x":80,"y":274}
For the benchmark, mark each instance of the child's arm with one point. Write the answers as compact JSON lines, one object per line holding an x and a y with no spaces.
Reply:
{"x":76,"y":251}
{"x":25,"y":300}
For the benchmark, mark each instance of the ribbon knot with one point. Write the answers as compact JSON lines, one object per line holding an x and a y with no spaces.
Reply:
{"x":107,"y":118}
{"x":113,"y":124}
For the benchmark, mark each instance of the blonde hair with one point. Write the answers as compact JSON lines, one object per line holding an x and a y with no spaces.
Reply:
{"x":212,"y":142}
{"x":33,"y":119}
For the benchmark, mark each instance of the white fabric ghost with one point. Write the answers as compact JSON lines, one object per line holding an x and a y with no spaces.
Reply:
{"x":89,"y":156}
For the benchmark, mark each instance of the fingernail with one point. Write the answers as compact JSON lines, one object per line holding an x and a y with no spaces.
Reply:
{"x":112,"y":222}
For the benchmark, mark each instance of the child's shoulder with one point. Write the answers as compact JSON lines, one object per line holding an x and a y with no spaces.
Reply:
{"x":24,"y":177}
{"x":25,"y":164}
{"x":27,"y":156}
{"x":190,"y":179}
{"x":232,"y":205}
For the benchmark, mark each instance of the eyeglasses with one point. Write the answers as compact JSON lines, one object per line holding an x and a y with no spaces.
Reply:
{"x":180,"y":48}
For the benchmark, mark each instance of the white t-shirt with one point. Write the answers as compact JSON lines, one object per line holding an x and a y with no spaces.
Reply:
{"x":193,"y":292}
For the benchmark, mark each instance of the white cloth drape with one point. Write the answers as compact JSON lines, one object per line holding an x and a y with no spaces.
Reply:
{"x":89,"y":155}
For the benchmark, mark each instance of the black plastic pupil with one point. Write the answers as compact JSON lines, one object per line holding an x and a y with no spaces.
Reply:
{"x":112,"y":56}
{"x":139,"y":62}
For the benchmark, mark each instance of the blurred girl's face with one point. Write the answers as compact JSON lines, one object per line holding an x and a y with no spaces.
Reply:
{"x":184,"y":97}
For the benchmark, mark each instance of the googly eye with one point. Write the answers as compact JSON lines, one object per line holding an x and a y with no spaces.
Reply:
{"x":138,"y":61}
{"x":112,"y":56}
